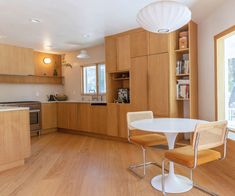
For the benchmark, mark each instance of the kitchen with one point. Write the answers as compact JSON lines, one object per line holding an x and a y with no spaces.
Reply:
{"x":65,"y":101}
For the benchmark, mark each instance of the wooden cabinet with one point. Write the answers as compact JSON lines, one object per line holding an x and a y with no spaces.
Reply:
{"x":139,"y":43}
{"x":158,"y":76}
{"x":123,"y":52}
{"x":122,"y":119}
{"x":158,"y":43}
{"x":49,"y":115}
{"x":16,"y":61}
{"x":110,"y":54}
{"x":98,"y":119}
{"x":139,"y":82}
{"x":68,"y":116}
{"x":84,"y":115}
{"x":112,"y":119}
{"x":15,"y":138}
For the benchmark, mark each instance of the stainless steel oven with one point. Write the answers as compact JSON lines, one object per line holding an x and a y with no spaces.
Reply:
{"x":34,"y":113}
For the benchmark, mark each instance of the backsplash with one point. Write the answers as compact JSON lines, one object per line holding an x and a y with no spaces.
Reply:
{"x":28,"y":92}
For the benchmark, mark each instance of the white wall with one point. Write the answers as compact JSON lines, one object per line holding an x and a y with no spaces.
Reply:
{"x":220,"y":20}
{"x":73,"y":76}
{"x":27,"y":92}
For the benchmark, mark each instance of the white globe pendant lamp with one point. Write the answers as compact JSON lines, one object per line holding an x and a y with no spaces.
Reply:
{"x":164,"y":16}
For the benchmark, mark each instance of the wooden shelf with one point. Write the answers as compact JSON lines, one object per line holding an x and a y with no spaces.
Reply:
{"x":182,"y":50}
{"x":181,"y":99}
{"x":181,"y":75}
{"x":120,"y":78}
{"x":21,"y":79}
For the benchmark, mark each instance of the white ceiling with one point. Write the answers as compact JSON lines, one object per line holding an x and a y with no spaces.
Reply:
{"x":65,"y":22}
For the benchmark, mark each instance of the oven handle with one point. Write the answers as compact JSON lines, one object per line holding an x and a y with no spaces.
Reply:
{"x":34,"y":111}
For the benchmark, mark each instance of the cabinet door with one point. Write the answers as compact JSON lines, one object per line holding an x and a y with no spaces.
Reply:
{"x":122,"y":119}
{"x":16,"y":61}
{"x":139,"y":43}
{"x":98,"y":119}
{"x":49,"y":115}
{"x":158,"y":74}
{"x":110,"y":54}
{"x":84,"y":115}
{"x":68,"y":116}
{"x":139,"y":83}
{"x":123,"y":53}
{"x":112,"y":119}
{"x":158,"y":43}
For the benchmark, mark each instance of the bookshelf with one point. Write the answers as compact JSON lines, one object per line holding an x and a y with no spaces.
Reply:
{"x":184,"y":61}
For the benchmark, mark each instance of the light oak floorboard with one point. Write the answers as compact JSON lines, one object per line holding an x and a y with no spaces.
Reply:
{"x":72,"y":165}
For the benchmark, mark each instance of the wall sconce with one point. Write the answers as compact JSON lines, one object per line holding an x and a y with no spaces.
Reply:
{"x":47,"y":60}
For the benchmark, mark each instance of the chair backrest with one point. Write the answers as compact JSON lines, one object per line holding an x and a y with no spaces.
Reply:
{"x":211,"y":135}
{"x":134,"y":116}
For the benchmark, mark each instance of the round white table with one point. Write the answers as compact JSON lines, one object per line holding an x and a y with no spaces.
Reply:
{"x":170,"y":127}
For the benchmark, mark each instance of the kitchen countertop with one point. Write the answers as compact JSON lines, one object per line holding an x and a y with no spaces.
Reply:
{"x":8,"y":108}
{"x":74,"y":101}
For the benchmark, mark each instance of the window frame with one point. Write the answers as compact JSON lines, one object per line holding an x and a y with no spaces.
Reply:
{"x":216,"y":63}
{"x":97,"y":80}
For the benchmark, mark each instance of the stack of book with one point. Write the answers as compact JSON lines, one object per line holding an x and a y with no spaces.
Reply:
{"x":182,"y":89}
{"x":182,"y":67}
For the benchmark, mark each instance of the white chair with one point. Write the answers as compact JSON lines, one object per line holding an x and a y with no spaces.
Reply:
{"x":142,"y":138}
{"x":206,"y":137}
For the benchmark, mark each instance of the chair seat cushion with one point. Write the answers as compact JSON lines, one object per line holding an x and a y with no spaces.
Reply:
{"x":146,"y":140}
{"x":185,"y":156}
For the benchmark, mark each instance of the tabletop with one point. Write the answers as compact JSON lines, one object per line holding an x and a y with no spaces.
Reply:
{"x":167,"y":125}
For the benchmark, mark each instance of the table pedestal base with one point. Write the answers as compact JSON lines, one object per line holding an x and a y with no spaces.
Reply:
{"x":173,"y":183}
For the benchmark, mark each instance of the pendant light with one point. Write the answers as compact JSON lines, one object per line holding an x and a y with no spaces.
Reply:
{"x":83,"y":55}
{"x":164,"y":16}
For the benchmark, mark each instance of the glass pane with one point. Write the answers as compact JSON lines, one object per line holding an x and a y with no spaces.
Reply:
{"x":89,"y":79}
{"x":102,"y":78}
{"x":229,"y":54}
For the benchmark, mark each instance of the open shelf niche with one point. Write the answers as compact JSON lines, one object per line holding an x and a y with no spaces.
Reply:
{"x":117,"y":80}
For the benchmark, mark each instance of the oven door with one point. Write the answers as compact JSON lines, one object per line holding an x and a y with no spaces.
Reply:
{"x":35,"y":120}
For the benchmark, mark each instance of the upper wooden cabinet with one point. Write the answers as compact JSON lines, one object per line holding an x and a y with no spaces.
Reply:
{"x":139,"y":82}
{"x":123,"y":52}
{"x":139,"y":43}
{"x":16,"y":60}
{"x":158,"y":76}
{"x":158,"y":43}
{"x":42,"y":69}
{"x":49,"y":115}
{"x":110,"y":54}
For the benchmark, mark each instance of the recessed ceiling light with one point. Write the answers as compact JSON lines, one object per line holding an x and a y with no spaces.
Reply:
{"x":35,"y":20}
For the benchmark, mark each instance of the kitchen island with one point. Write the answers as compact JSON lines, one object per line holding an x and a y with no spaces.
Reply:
{"x":14,"y":137}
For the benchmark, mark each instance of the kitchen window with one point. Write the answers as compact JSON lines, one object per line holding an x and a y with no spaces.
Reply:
{"x":93,"y":79}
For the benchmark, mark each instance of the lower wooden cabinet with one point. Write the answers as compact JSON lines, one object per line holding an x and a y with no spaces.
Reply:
{"x":112,"y":119}
{"x":49,"y":115}
{"x":98,"y":119}
{"x":68,"y":116}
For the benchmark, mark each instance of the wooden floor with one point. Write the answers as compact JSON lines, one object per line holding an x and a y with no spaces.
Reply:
{"x":72,"y":165}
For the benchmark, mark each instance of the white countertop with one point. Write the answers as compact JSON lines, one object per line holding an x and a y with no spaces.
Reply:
{"x":9,"y":108}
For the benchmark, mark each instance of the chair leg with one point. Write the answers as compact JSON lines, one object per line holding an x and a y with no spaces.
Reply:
{"x":200,"y":187}
{"x":163,"y":177}
{"x":144,"y":164}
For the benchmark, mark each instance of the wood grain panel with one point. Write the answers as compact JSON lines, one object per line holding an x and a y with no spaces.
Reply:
{"x":123,"y":52}
{"x":112,"y":119}
{"x":49,"y":115}
{"x":16,"y":60}
{"x":158,"y":43}
{"x":139,"y":43}
{"x":15,"y":138}
{"x":110,"y":54}
{"x":139,"y":82}
{"x":158,"y":72}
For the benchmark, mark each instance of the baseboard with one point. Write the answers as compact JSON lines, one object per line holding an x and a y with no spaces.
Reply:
{"x":89,"y":134}
{"x":11,"y":165}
